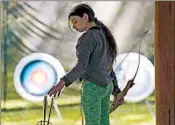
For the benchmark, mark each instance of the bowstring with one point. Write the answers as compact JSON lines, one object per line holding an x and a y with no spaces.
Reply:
{"x":139,"y":41}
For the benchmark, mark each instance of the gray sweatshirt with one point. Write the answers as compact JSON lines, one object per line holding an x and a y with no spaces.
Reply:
{"x":93,"y":59}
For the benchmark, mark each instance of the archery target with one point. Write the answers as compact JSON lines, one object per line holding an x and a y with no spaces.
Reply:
{"x":144,"y":81}
{"x":35,"y":75}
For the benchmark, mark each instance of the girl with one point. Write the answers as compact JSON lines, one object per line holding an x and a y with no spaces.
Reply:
{"x":96,"y":52}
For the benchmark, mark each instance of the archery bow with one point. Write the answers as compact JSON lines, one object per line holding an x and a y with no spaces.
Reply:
{"x":116,"y":102}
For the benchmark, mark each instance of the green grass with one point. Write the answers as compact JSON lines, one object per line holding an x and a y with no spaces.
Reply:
{"x":27,"y":113}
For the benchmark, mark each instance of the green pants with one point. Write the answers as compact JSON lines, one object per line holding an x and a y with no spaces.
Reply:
{"x":96,"y":102}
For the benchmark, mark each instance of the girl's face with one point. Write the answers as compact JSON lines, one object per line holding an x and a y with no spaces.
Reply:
{"x":79,"y":23}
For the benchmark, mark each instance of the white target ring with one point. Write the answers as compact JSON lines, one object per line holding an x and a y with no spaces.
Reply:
{"x":144,"y":81}
{"x":35,"y":75}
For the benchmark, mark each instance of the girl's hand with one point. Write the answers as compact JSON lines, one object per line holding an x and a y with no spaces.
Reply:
{"x":56,"y":89}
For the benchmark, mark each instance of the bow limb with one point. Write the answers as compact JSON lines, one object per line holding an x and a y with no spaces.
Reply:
{"x":115,"y":104}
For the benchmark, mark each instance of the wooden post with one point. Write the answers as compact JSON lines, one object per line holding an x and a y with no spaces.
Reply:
{"x":164,"y":62}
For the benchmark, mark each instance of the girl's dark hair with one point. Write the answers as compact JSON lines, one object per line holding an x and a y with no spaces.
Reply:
{"x":79,"y":10}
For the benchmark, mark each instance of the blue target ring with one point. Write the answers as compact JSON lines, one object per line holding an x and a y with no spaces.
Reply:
{"x":36,"y":74}
{"x":38,"y":77}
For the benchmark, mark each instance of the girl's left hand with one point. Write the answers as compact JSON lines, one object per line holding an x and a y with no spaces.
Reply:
{"x":120,"y":96}
{"x":56,"y":89}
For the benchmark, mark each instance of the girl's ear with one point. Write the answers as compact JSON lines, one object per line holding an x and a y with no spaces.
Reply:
{"x":85,"y":17}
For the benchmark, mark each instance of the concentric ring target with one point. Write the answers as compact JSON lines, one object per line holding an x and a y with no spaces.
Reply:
{"x":144,"y":81}
{"x":35,"y":74}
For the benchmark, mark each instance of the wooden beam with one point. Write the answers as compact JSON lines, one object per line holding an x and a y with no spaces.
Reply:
{"x":164,"y":62}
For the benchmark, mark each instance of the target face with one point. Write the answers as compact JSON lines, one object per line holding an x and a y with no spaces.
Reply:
{"x":144,"y":81}
{"x":36,"y":74}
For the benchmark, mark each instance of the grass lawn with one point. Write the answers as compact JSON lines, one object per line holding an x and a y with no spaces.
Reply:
{"x":21,"y":112}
